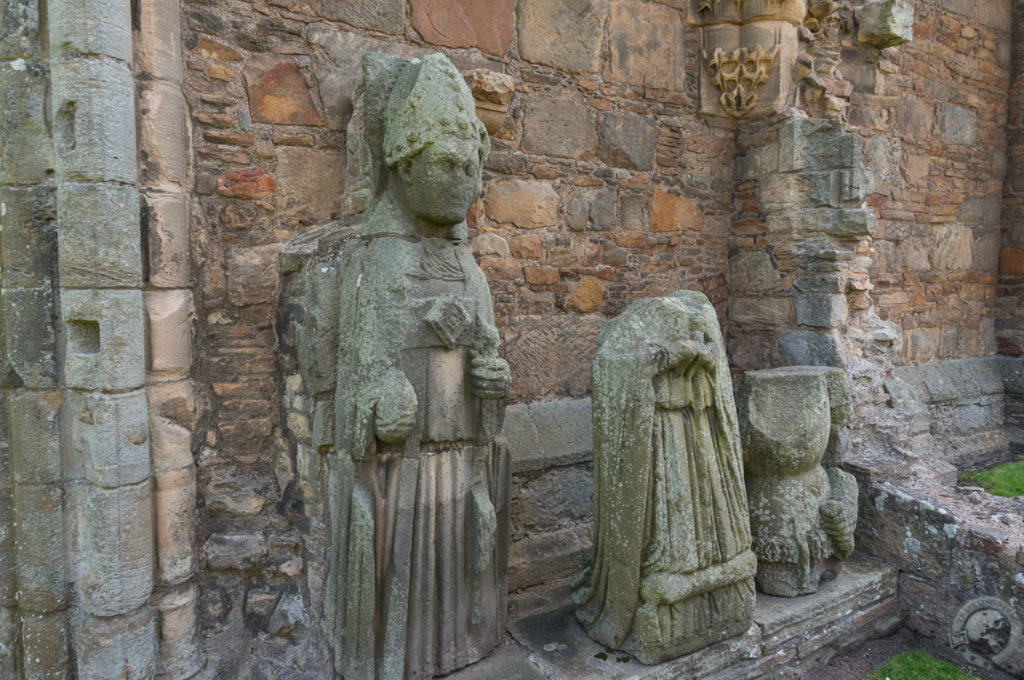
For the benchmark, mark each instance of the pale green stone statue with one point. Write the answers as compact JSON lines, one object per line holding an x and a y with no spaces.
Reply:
{"x":671,"y":569}
{"x":802,"y":515}
{"x":418,"y":488}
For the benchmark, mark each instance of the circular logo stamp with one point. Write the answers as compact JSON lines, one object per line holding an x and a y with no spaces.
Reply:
{"x":986,"y":632}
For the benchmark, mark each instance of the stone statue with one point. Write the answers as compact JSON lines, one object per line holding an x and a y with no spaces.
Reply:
{"x":802,"y":515}
{"x":418,"y":488}
{"x":671,"y":569}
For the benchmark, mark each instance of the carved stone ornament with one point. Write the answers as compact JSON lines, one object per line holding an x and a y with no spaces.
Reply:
{"x":404,"y":333}
{"x":986,"y":632}
{"x":802,"y":516}
{"x":750,"y":48}
{"x":671,"y":569}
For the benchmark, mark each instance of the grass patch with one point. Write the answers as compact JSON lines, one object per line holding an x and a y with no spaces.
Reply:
{"x":916,"y":665}
{"x":1002,"y":480}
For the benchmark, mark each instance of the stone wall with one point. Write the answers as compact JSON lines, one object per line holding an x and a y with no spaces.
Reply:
{"x":1010,"y":323}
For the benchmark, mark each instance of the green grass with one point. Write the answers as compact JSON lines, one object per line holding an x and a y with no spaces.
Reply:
{"x":1003,"y":480}
{"x":915,"y":665}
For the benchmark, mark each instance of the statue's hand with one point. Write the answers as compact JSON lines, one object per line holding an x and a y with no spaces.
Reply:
{"x":685,"y":352}
{"x":489,"y":377}
{"x":396,"y":410}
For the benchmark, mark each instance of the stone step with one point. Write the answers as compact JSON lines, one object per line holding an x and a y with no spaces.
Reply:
{"x":797,"y":634}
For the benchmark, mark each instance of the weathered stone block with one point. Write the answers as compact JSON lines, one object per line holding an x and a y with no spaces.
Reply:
{"x":39,"y":548}
{"x":19,"y":29}
{"x":752,"y":272}
{"x":115,"y":549}
{"x":886,"y":23}
{"x":25,"y":145}
{"x":762,"y":312}
{"x":627,"y":140}
{"x":91,"y":27}
{"x":162,"y":140}
{"x":170,"y":443}
{"x":485,"y":24}
{"x":386,"y":16}
{"x":526,"y":204}
{"x":119,"y":648}
{"x":94,"y":136}
{"x":34,"y":418}
{"x":45,"y":644}
{"x":834,"y":189}
{"x":558,"y":125}
{"x":957,"y":124}
{"x":178,"y":633}
{"x":560,"y":496}
{"x":592,"y":209}
{"x":811,"y":348}
{"x":246,"y":183}
{"x":235,"y":551}
{"x":176,"y":523}
{"x":169,"y":324}
{"x":105,"y":339}
{"x":814,"y":144}
{"x":166,"y":222}
{"x":550,"y":356}
{"x":252,"y":275}
{"x":548,"y":433}
{"x":646,"y":45}
{"x":28,"y":331}
{"x":111,"y":434}
{"x":99,"y":238}
{"x":158,"y":46}
{"x":546,"y":556}
{"x":278,"y":93}
{"x":563,"y":34}
{"x":820,"y":310}
{"x":309,"y":183}
{"x":28,"y":241}
{"x":670,"y":212}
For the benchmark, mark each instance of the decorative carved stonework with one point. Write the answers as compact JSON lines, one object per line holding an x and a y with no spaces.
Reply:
{"x":750,"y":50}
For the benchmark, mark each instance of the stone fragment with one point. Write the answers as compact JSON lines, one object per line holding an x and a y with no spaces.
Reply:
{"x":812,"y":348}
{"x":661,"y":368}
{"x":844,"y":224}
{"x":99,"y":239}
{"x":886,"y":23}
{"x":762,"y":312}
{"x":813,"y":144}
{"x":118,"y":648}
{"x":278,"y":93}
{"x":309,"y":183}
{"x":558,"y":125}
{"x":753,"y":272}
{"x":492,"y":92}
{"x":252,"y":274}
{"x":235,"y":551}
{"x":178,"y":632}
{"x":802,"y":516}
{"x":484,"y":24}
{"x":29,"y":335}
{"x":627,"y":140}
{"x":115,"y":549}
{"x":592,"y":209}
{"x":673,"y":213}
{"x":549,"y":355}
{"x":158,"y":45}
{"x":246,"y":183}
{"x":526,"y":204}
{"x":563,"y":34}
{"x":289,"y":617}
{"x":165,"y":218}
{"x":829,"y":189}
{"x":951,"y":248}
{"x":174,"y":506}
{"x":105,"y":339}
{"x":34,"y":421}
{"x":588,"y":295}
{"x":111,"y":435}
{"x":94,"y":139}
{"x":386,"y":16}
{"x":489,"y":243}
{"x":39,"y":548}
{"x":646,"y":45}
{"x":25,"y":143}
{"x":162,"y":145}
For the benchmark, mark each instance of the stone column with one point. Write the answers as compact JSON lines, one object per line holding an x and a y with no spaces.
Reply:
{"x":161,"y":119}
{"x":101,"y":307}
{"x":33,"y":591}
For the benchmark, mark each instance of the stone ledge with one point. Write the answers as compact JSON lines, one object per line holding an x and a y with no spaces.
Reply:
{"x":802,"y":631}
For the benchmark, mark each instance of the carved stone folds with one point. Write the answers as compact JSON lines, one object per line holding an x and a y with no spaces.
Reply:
{"x":750,"y":50}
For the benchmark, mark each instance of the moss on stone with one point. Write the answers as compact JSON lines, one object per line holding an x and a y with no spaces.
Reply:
{"x":914,"y":665}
